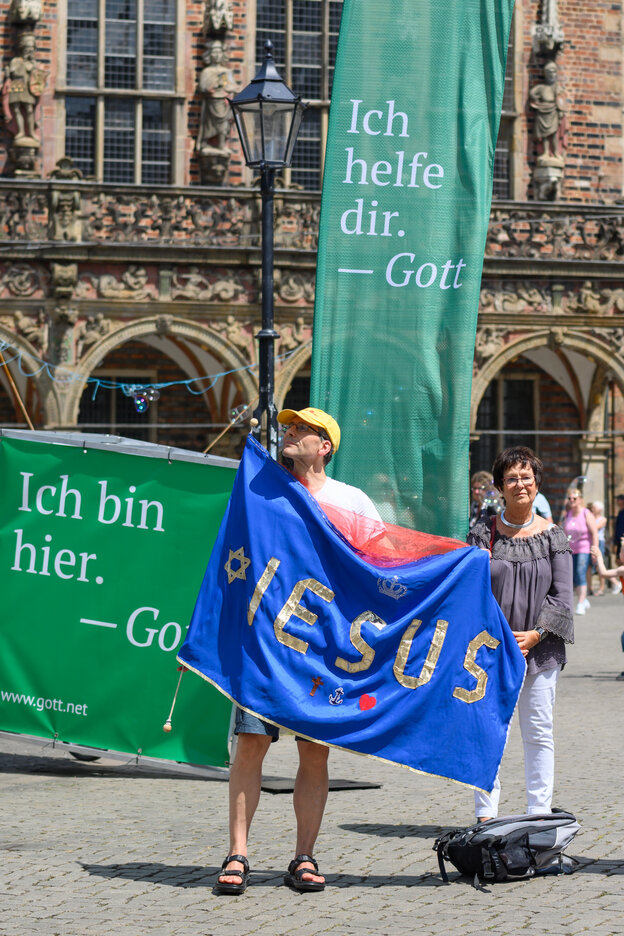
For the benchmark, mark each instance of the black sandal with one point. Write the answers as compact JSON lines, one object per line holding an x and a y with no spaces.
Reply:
{"x":294,"y":878}
{"x":229,"y":888}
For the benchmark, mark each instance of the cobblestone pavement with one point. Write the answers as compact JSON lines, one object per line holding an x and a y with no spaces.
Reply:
{"x":101,"y":849}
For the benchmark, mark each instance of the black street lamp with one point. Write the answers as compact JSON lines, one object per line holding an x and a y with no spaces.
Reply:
{"x":268,"y":116}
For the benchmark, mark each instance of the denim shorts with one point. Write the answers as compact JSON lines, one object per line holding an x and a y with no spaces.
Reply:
{"x":580,"y":562}
{"x":251,"y":724}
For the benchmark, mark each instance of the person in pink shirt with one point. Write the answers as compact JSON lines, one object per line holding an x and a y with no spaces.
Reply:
{"x":580,"y":526}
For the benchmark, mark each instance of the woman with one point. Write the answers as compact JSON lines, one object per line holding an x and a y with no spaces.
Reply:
{"x":531,"y":566}
{"x":480,"y":484}
{"x":579,"y":524}
{"x":597,"y":509}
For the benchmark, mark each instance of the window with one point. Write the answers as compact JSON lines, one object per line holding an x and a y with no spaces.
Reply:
{"x":120,"y":89}
{"x":304,"y":34}
{"x":507,"y":415}
{"x":504,"y":144}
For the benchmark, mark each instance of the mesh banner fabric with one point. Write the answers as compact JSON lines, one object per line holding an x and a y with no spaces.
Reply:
{"x":414,"y":118}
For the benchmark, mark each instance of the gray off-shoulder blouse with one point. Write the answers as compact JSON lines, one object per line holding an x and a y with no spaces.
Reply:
{"x":532,"y":582}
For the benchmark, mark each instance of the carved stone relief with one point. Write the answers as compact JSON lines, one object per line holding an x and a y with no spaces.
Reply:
{"x":90,"y":331}
{"x":33,"y":328}
{"x":61,"y":335}
{"x":132,"y":284}
{"x":523,"y":297}
{"x":598,"y":301}
{"x":236,"y":333}
{"x":292,"y":335}
{"x":548,"y":33}
{"x":488,"y":342}
{"x":22,"y":280}
{"x":218,"y":17}
{"x":25,"y":11}
{"x":64,"y":218}
{"x":194,"y":285}
{"x":164,"y":324}
{"x":294,"y":286}
{"x":64,"y":279}
{"x":614,"y":336}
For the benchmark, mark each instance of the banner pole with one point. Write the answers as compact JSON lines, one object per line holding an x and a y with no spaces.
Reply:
{"x":4,"y":364}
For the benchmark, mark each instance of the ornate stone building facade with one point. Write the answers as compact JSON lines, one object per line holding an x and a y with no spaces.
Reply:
{"x":130,"y":228}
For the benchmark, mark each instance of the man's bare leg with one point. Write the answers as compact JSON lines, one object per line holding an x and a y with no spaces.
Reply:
{"x":244,"y":791}
{"x":309,"y":798}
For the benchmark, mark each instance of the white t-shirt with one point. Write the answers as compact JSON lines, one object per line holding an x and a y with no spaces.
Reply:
{"x":347,"y":497}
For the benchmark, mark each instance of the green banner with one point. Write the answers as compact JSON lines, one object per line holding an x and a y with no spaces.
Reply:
{"x":413,"y":123}
{"x":102,"y":555}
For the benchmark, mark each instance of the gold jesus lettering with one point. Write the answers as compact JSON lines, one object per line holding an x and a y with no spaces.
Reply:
{"x":293,"y":608}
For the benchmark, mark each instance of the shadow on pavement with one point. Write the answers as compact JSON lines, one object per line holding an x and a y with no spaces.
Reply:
{"x":600,"y":865}
{"x":101,"y":767}
{"x":398,"y":831}
{"x":189,"y":876}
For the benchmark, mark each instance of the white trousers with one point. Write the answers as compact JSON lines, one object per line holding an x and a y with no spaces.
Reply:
{"x":535,"y":714}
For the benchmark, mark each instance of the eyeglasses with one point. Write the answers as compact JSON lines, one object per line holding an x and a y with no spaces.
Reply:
{"x":303,"y":428}
{"x":525,"y":480}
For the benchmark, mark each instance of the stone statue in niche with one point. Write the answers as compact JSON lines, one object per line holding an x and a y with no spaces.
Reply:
{"x":25,"y":11}
{"x":216,"y":85}
{"x":550,"y":131}
{"x":550,"y":125}
{"x":23,"y":85}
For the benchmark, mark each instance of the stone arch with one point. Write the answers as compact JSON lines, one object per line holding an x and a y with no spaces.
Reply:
{"x":47,"y":389}
{"x":289,"y":371}
{"x":581,"y":342}
{"x":193,"y":332}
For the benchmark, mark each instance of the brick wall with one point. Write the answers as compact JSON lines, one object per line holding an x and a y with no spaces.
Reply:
{"x":590,"y":79}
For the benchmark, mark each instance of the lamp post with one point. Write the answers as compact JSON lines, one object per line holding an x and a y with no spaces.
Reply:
{"x":268,"y":115}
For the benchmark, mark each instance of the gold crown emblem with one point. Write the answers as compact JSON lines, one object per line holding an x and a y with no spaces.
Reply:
{"x":391,"y":587}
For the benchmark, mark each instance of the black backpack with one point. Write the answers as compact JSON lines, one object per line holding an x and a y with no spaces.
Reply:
{"x":510,"y":848}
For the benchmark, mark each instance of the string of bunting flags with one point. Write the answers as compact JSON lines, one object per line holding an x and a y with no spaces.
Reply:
{"x":143,"y":394}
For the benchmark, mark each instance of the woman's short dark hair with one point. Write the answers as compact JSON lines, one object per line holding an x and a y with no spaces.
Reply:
{"x":517,"y":455}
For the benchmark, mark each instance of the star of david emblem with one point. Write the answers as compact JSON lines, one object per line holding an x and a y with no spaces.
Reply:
{"x":239,"y":573}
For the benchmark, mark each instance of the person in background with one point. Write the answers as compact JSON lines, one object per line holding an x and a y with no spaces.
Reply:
{"x":580,"y":528}
{"x":616,"y":574}
{"x":480,"y":483}
{"x":542,"y":507}
{"x":618,"y":533}
{"x":597,"y":508}
{"x":531,"y":572}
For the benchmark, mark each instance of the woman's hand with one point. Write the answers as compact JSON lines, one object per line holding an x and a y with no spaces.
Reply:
{"x":526,"y":640}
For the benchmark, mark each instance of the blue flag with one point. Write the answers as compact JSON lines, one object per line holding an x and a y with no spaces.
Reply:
{"x":412,"y":663}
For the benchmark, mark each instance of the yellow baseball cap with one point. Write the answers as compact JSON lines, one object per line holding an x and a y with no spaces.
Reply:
{"x":313,"y":417}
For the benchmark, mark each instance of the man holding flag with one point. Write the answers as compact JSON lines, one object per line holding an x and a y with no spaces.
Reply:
{"x":310,"y":440}
{"x":317,"y":617}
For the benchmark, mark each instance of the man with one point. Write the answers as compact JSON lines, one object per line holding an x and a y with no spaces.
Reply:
{"x":310,"y":440}
{"x":618,"y":533}
{"x":481,"y":486}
